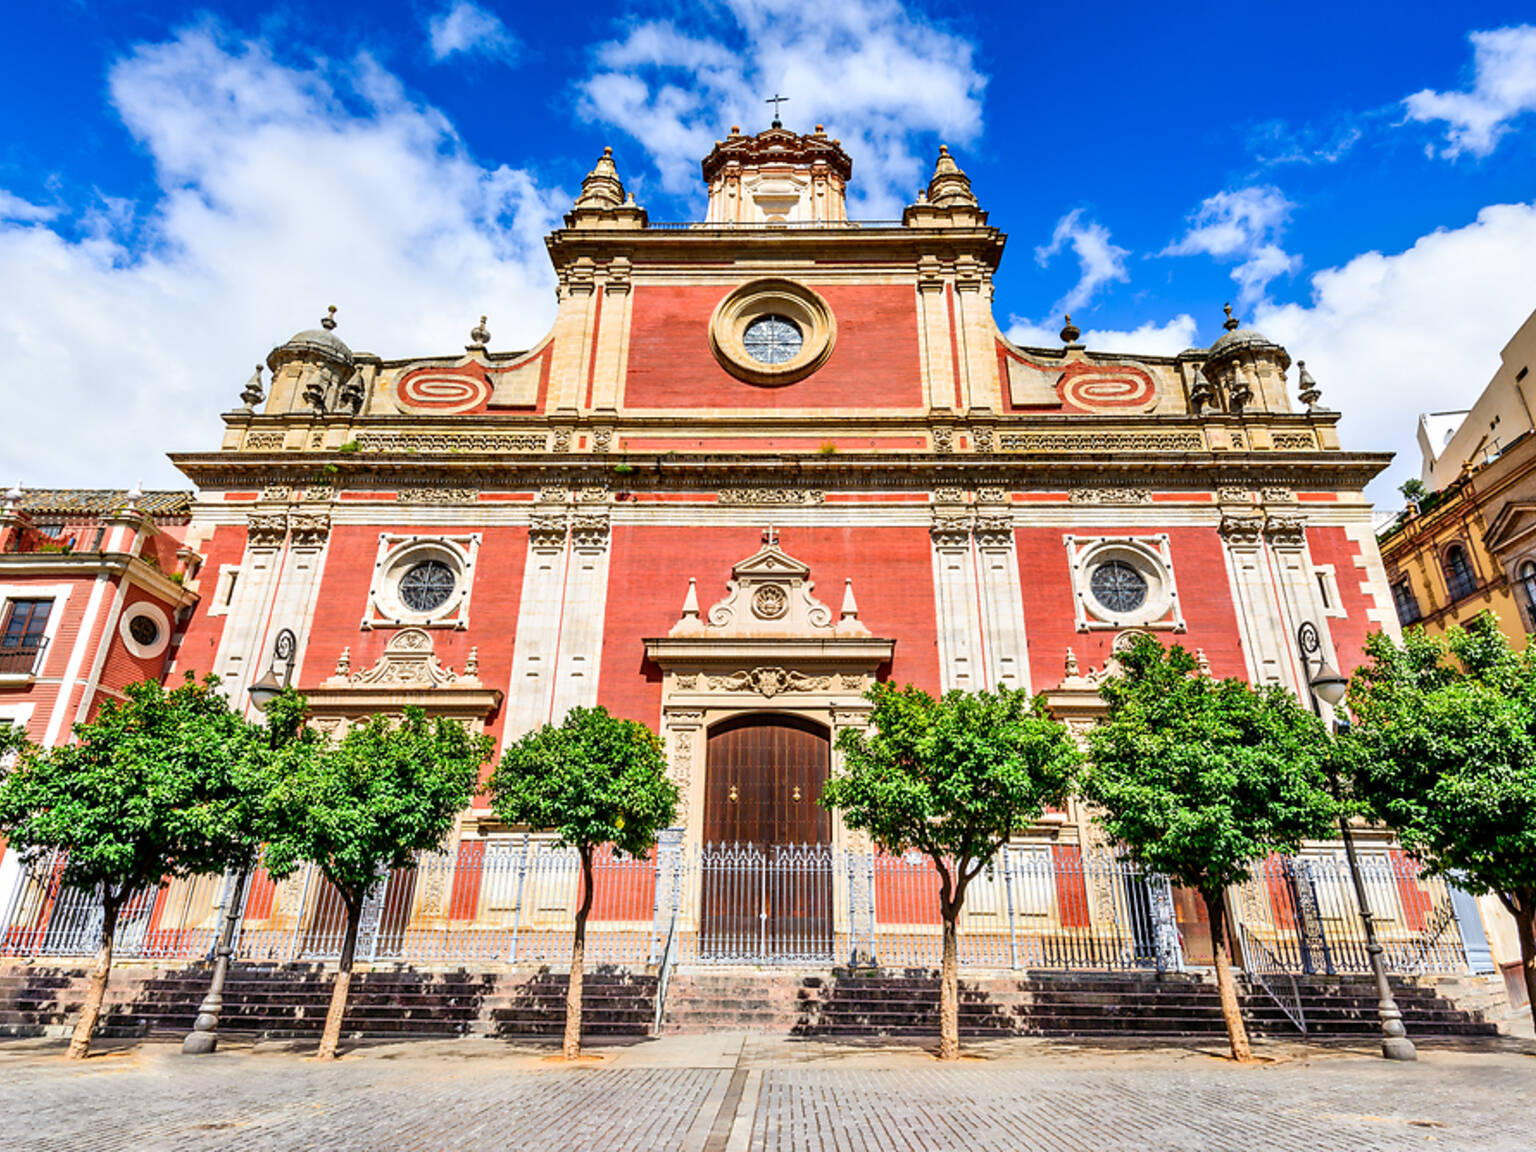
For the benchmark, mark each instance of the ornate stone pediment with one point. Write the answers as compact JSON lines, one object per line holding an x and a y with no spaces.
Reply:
{"x":407,"y":674}
{"x":769,"y":595}
{"x":770,"y":637}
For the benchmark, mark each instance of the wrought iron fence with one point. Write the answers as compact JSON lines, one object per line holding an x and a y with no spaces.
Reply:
{"x":1304,"y":910}
{"x":513,"y":901}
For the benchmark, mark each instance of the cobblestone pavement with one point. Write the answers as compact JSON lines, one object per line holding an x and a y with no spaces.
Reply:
{"x":737,"y":1093}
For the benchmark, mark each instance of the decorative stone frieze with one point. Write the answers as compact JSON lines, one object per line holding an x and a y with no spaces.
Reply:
{"x":943,"y":439}
{"x":266,"y":529}
{"x":769,"y":681}
{"x":951,"y":531}
{"x":448,"y":442}
{"x":772,"y":496}
{"x":1234,"y":494}
{"x":408,"y":662}
{"x":276,"y":492}
{"x":547,"y":533}
{"x":589,"y":532}
{"x":1294,"y":441}
{"x":437,"y":495}
{"x":1110,"y":495}
{"x":994,"y":531}
{"x":264,"y":441}
{"x":1102,"y":442}
{"x":1242,"y":529}
{"x":1278,"y":495}
{"x":308,"y":529}
{"x":1285,"y":531}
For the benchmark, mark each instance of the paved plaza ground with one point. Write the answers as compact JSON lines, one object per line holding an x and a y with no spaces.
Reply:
{"x":733,"y":1092}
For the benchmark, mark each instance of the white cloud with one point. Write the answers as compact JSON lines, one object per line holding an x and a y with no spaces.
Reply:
{"x":469,"y":28}
{"x":1244,"y":225}
{"x":878,"y":76}
{"x":284,"y":187}
{"x":1276,"y":142}
{"x":1100,"y":261}
{"x":1503,"y":88}
{"x":1391,"y":336}
{"x":1148,"y":340}
{"x":13,"y":207}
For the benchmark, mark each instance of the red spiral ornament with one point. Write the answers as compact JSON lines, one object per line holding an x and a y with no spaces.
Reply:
{"x":1117,"y":388}
{"x":437,"y":390}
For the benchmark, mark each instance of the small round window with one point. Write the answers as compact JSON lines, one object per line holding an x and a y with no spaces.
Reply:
{"x":1118,"y":587}
{"x":772,"y":339}
{"x":426,"y":586}
{"x":144,"y":630}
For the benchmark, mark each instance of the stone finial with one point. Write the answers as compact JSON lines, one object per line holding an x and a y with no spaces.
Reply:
{"x":691,"y":601}
{"x":252,"y":393}
{"x":1070,"y":667}
{"x":1202,"y":664}
{"x":850,"y":606}
{"x":1070,"y":332}
{"x":950,"y":187}
{"x":344,"y":663}
{"x":329,"y":321}
{"x":472,"y":661}
{"x":602,"y":188}
{"x":479,"y":337}
{"x":13,"y":497}
{"x":1310,"y":393}
{"x":135,"y":494}
{"x":1200,"y":392}
{"x":1231,"y":322}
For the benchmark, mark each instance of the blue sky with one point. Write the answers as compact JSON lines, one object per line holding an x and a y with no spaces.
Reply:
{"x":182,"y":186}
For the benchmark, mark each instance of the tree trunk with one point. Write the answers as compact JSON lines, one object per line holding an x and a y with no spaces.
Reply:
{"x":572,"y":1047}
{"x":949,"y":986}
{"x":80,"y":1042}
{"x":1231,"y":1012}
{"x":1525,"y":924}
{"x":331,"y":1037}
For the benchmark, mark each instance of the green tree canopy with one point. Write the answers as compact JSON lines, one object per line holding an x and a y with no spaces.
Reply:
{"x":592,"y":780}
{"x":1200,"y":779}
{"x":360,"y":806}
{"x":1444,"y":750}
{"x":953,"y":777}
{"x":156,"y":785}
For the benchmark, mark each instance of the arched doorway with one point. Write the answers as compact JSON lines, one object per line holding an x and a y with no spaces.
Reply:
{"x":767,"y":860}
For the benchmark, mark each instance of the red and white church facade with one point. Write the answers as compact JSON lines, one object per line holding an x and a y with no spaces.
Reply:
{"x":760,"y":462}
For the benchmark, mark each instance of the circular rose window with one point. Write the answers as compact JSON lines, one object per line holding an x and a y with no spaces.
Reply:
{"x":772,"y":340}
{"x":772,"y":332}
{"x":426,"y":586}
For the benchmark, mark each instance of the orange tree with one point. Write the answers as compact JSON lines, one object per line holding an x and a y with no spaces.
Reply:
{"x":1200,"y":779}
{"x":592,"y":780}
{"x":952,"y":777}
{"x":1444,"y":750}
{"x":155,"y":786}
{"x":361,"y":806}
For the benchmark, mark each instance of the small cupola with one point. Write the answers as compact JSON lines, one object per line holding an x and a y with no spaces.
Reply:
{"x":777,"y":177}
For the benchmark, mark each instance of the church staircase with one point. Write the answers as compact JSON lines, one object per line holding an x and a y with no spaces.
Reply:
{"x":291,"y":1001}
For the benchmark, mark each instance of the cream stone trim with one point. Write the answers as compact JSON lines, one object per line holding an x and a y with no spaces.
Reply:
{"x":1150,"y":556}
{"x":162,"y":623}
{"x":396,"y":556}
{"x":757,"y":298}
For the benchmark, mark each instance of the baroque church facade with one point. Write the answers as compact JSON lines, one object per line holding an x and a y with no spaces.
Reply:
{"x":760,"y":462}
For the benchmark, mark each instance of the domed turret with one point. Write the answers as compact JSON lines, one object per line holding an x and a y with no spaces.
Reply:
{"x":603,"y":203}
{"x":314,"y":368}
{"x":777,"y":177}
{"x":1246,"y":369}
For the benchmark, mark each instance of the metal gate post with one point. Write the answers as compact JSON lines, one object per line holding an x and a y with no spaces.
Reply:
{"x":517,"y":900}
{"x":1165,"y":925}
{"x":1013,"y":930}
{"x":669,"y":845}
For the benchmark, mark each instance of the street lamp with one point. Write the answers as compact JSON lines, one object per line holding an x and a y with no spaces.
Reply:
{"x":1326,"y":683}
{"x":204,"y":1037}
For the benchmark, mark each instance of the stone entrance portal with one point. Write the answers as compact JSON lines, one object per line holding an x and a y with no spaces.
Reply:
{"x":766,"y":882}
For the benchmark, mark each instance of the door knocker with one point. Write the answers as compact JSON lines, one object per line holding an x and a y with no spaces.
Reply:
{"x":795,"y":796}
{"x":732,"y":794}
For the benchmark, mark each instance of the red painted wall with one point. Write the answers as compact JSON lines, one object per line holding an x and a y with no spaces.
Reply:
{"x":874,"y":363}
{"x":1330,"y":545}
{"x":891,"y":569}
{"x":200,"y":641}
{"x":1200,"y":575}
{"x":493,"y":606}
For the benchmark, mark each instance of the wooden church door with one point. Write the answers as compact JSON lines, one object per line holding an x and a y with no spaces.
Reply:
{"x":767,"y":876}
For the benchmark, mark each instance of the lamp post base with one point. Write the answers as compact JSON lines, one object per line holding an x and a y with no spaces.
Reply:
{"x":1398,"y":1048}
{"x":202,"y":1043}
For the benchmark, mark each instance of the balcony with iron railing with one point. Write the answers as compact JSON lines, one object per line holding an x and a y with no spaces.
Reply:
{"x":22,"y":661}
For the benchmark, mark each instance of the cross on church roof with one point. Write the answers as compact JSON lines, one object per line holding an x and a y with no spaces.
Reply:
{"x":776,"y":100}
